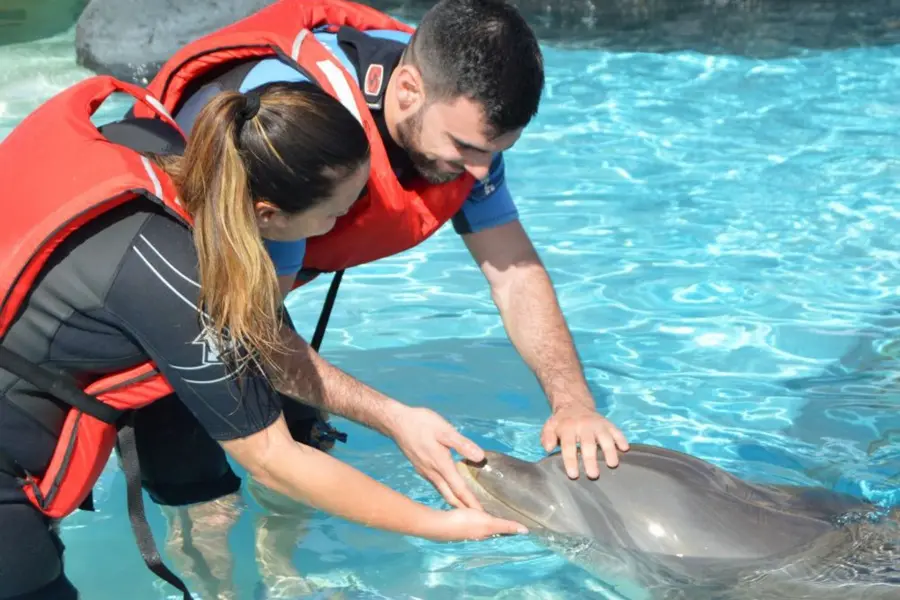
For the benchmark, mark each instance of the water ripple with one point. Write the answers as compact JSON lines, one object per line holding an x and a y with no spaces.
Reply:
{"x":723,"y":234}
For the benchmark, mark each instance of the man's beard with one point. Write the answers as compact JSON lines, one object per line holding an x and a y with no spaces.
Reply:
{"x":409,"y":132}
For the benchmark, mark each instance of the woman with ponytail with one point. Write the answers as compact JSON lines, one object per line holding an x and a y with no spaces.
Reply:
{"x":263,"y":170}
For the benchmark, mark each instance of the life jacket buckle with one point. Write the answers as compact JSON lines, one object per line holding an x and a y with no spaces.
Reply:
{"x":325,"y":432}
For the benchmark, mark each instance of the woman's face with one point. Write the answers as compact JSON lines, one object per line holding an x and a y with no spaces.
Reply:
{"x":275,"y":224}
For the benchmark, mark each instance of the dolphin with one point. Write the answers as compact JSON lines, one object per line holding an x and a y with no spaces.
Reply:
{"x":664,"y":524}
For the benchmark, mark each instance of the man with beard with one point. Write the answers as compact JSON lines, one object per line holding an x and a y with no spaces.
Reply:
{"x":440,"y":104}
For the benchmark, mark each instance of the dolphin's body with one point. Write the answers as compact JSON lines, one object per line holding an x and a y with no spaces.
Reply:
{"x":664,"y":524}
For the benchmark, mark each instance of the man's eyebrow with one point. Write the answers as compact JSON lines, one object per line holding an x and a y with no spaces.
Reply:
{"x":469,"y":145}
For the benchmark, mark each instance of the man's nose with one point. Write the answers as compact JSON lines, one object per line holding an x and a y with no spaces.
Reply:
{"x":479,"y":169}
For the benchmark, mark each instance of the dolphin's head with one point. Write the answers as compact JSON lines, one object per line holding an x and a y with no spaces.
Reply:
{"x":657,"y":501}
{"x":523,"y":491}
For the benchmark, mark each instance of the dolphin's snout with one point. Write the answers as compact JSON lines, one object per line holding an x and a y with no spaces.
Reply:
{"x":469,"y":469}
{"x":506,"y":487}
{"x":473,"y":469}
{"x":463,"y":468}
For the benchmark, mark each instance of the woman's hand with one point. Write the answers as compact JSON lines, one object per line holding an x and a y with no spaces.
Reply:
{"x":319,"y":480}
{"x":470,"y":524}
{"x":426,"y":439}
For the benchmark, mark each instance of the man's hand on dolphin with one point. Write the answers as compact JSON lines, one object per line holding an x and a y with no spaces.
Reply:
{"x":575,"y":424}
{"x":426,"y":439}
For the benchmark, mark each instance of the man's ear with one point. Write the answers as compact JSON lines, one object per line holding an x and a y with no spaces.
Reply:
{"x":410,"y":89}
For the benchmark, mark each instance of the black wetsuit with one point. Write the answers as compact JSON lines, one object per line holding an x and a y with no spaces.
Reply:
{"x":119,"y":291}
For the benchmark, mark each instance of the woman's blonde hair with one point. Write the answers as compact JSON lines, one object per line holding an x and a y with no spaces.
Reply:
{"x":287,"y":144}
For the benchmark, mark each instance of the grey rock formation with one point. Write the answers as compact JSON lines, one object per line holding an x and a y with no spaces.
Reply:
{"x":129,"y":38}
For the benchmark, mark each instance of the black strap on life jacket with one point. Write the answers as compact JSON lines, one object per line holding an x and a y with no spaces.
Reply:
{"x":139,"y":525}
{"x":64,"y":388}
{"x":328,"y":305}
{"x":142,"y":135}
{"x":374,"y":58}
{"x":57,"y":385}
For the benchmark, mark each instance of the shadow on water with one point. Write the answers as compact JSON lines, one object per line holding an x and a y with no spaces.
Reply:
{"x":856,"y":401}
{"x":431,"y":373}
{"x":757,"y":28}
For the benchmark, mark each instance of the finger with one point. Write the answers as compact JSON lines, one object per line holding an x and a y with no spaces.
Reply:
{"x":464,"y":446}
{"x":609,"y":449}
{"x":549,"y":438}
{"x":619,"y":437}
{"x":444,"y":489}
{"x":569,"y":453}
{"x":589,"y":456}
{"x":458,"y":486}
{"x":505,"y":527}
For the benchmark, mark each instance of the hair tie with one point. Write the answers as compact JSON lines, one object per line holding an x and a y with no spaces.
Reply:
{"x":245,"y":113}
{"x":250,"y":107}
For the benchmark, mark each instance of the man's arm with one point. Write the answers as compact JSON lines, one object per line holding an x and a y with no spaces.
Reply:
{"x":524,"y":295}
{"x":521,"y":288}
{"x":523,"y":292}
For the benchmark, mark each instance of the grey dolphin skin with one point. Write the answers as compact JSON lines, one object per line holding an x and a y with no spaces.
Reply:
{"x":667,"y":525}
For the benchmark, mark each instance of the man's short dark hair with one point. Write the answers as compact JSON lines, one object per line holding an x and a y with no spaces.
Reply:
{"x":485,"y":51}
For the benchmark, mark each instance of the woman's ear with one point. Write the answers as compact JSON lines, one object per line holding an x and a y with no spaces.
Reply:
{"x":266,"y":214}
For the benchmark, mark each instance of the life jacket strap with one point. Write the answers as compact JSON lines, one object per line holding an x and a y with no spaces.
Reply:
{"x":127,"y":448}
{"x":58,"y":385}
{"x":325,"y":315}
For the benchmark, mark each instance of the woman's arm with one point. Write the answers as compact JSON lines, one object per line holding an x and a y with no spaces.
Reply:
{"x":421,"y":434}
{"x":308,"y":378}
{"x":316,"y":479}
{"x":286,"y":284}
{"x":154,"y":297}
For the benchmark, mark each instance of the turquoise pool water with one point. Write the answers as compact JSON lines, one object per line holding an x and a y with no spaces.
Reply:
{"x":723,"y":234}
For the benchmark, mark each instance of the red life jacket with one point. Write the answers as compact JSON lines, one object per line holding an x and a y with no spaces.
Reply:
{"x":90,"y":175}
{"x":389,"y":218}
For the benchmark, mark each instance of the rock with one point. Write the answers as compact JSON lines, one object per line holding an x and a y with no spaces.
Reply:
{"x":30,"y":20}
{"x":130,"y":38}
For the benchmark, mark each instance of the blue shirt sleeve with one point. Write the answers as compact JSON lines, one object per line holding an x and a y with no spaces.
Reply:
{"x":287,"y":256}
{"x":489,"y":204}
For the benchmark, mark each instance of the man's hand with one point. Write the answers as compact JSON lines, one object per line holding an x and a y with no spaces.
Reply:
{"x":574,"y":425}
{"x":426,"y":439}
